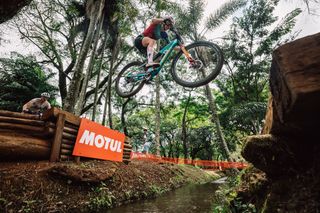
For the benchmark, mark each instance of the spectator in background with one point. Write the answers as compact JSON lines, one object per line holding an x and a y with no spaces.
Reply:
{"x":147,"y":142}
{"x":37,"y":105}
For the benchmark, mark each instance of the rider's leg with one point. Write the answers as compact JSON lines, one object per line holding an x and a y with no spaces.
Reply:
{"x":149,"y":43}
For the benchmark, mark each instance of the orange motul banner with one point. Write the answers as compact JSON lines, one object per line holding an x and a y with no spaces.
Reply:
{"x":97,"y":141}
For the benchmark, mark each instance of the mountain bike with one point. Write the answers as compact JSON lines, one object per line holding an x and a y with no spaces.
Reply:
{"x":194,"y":65}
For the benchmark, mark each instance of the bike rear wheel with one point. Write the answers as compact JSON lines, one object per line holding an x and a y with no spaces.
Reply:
{"x":208,"y":64}
{"x":130,"y":80}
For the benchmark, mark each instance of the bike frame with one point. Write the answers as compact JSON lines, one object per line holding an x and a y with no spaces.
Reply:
{"x":165,"y":53}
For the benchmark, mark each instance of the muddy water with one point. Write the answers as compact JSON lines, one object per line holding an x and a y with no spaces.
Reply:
{"x":192,"y":198}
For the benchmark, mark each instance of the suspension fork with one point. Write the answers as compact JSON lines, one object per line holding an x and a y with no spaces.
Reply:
{"x":186,"y":53}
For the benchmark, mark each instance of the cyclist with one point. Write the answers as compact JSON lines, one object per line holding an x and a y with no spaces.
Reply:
{"x":37,"y":105}
{"x":146,"y":41}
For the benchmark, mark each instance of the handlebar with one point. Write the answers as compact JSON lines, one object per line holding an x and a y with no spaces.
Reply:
{"x":175,"y":31}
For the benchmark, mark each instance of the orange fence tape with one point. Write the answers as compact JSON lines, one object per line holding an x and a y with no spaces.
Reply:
{"x":207,"y":164}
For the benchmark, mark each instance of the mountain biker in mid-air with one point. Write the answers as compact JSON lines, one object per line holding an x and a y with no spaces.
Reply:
{"x":146,"y":41}
{"x":193,"y":65}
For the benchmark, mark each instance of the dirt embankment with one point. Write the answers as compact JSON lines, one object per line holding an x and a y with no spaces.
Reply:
{"x":89,"y":186}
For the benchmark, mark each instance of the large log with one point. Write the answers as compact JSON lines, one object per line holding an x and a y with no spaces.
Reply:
{"x":18,"y":115}
{"x":66,"y":152}
{"x":292,"y":119}
{"x":23,"y":147}
{"x":69,"y":136}
{"x":295,"y":87}
{"x":128,"y":146}
{"x":66,"y":141}
{"x":67,"y":146}
{"x":14,"y":120}
{"x":69,"y":129}
{"x":24,"y":127}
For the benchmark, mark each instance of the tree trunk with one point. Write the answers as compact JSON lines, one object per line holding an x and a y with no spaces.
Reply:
{"x":74,"y":87}
{"x":123,"y":119}
{"x":95,"y":101}
{"x":115,"y":52}
{"x":216,"y":121}
{"x":184,"y":128}
{"x":157,"y":116}
{"x":89,"y":69}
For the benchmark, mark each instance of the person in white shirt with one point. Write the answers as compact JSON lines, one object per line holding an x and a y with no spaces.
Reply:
{"x":37,"y":105}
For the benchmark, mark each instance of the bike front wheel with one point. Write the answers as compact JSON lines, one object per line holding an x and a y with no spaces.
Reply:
{"x":130,"y":80}
{"x":207,"y":64}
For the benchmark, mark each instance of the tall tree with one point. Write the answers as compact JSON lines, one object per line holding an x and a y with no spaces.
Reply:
{"x":94,"y":12}
{"x":48,"y":26}
{"x":248,"y":51}
{"x":190,"y":20}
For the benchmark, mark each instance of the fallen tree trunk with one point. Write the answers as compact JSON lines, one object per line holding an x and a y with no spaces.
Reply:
{"x":22,"y":147}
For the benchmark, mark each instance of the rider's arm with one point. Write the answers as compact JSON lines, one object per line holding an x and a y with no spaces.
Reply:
{"x":48,"y":105}
{"x":27,"y":106}
{"x":157,"y":20}
{"x":30,"y":104}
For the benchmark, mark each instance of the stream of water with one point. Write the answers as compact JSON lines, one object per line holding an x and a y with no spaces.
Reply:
{"x":191,"y":198}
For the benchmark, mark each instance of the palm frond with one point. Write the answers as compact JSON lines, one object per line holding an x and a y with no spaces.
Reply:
{"x":216,"y":19}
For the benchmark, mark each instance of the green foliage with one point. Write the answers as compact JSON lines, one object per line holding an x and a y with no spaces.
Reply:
{"x":28,"y":206}
{"x":226,"y":197}
{"x":156,"y":190}
{"x":103,"y":199}
{"x":189,"y":18}
{"x":221,"y":14}
{"x":248,"y":50}
{"x":21,"y":79}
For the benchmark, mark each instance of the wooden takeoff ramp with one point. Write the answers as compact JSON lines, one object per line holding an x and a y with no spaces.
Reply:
{"x":51,"y":137}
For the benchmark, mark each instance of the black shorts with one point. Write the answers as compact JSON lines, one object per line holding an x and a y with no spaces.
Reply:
{"x":139,"y":46}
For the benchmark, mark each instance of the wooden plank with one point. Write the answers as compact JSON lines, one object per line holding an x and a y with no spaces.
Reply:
{"x":6,"y":125}
{"x":69,"y":142}
{"x":127,"y":146}
{"x":66,"y":157}
{"x":66,"y":152}
{"x":70,"y":130}
{"x":127,"y":140}
{"x":126,"y":154}
{"x":55,"y":150}
{"x":19,"y":115}
{"x":69,"y":136}
{"x":76,"y":127}
{"x":127,"y":150}
{"x":126,"y":157}
{"x":67,"y":146}
{"x":30,"y":122}
{"x":67,"y":128}
{"x":53,"y":113}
